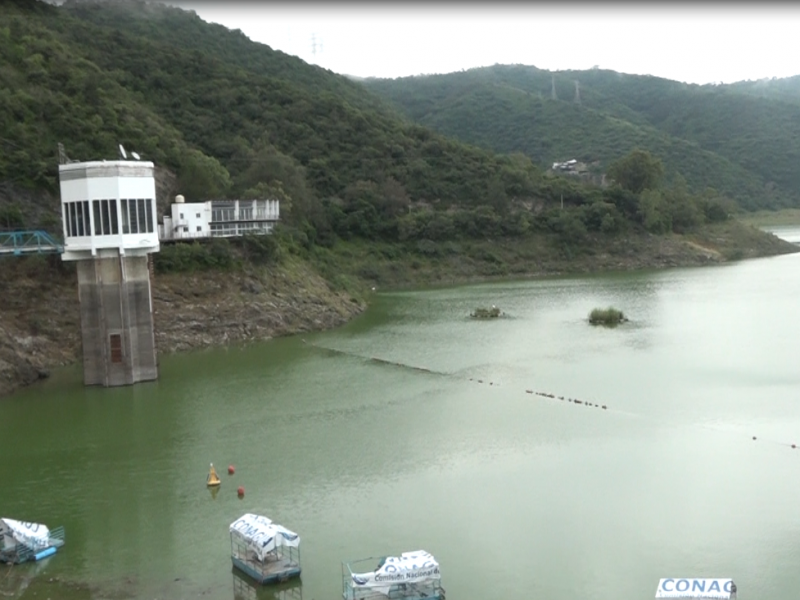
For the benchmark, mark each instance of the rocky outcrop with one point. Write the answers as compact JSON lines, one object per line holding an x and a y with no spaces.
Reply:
{"x":198,"y":311}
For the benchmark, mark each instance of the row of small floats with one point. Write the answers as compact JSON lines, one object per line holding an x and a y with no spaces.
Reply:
{"x":270,"y":553}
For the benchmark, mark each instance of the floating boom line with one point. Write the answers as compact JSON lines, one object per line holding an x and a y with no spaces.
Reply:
{"x":541,"y":394}
{"x":375,"y":359}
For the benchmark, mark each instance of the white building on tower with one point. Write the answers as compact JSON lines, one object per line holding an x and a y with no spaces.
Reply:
{"x":108,"y":208}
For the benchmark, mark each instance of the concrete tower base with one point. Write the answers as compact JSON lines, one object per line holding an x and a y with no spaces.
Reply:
{"x":116,"y":321}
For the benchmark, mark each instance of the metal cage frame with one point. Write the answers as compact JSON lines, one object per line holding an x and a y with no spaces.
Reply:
{"x":281,"y":564}
{"x":427,"y":590}
{"x":24,"y":553}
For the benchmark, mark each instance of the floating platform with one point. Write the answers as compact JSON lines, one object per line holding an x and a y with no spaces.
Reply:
{"x":276,"y":571}
{"x":697,"y":588}
{"x":410,"y":576}
{"x":265,"y":551}
{"x":246,"y":588}
{"x":23,"y":542}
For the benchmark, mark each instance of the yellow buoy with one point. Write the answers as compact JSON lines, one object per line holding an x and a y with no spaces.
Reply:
{"x":212,"y":478}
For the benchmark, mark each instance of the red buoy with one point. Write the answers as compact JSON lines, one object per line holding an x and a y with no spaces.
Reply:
{"x":231,"y":470}
{"x":240,"y":491}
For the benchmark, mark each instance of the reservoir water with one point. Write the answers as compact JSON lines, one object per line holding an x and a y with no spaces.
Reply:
{"x":517,"y":495}
{"x":790,"y":233}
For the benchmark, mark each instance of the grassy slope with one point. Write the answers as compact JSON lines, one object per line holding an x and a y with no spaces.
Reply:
{"x":769,"y":218}
{"x":412,"y":264}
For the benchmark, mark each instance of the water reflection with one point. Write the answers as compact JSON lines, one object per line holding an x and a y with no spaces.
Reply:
{"x":245,"y":588}
{"x":15,"y":579}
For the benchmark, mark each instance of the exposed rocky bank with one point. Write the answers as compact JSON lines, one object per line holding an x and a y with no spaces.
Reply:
{"x":40,"y":318}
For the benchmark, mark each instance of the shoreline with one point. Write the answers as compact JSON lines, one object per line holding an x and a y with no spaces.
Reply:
{"x":39,"y":309}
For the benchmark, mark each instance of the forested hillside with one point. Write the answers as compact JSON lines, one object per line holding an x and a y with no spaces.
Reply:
{"x":229,"y":116}
{"x":742,"y":139}
{"x":786,"y":89}
{"x":233,"y":118}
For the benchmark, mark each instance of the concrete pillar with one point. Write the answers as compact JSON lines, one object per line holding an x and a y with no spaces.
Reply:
{"x":116,"y":321}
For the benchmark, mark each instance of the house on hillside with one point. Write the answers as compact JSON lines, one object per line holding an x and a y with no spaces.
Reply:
{"x":570,"y":167}
{"x":218,"y":218}
{"x":574,"y":168}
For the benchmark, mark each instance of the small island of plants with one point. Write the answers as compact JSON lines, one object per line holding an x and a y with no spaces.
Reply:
{"x":486,"y":313}
{"x":609,"y":317}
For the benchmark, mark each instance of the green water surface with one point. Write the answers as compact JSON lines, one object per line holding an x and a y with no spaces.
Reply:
{"x":515,"y":494}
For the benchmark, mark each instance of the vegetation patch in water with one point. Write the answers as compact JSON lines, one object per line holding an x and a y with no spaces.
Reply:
{"x":610,"y":317}
{"x":486,"y":313}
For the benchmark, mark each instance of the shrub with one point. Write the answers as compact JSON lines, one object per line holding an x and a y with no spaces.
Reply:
{"x":11,"y":217}
{"x":261,"y":249}
{"x":427,"y":247}
{"x":610,"y":317}
{"x":181,"y":257}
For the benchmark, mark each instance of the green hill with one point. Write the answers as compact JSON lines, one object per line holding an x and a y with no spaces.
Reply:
{"x":226,"y":114}
{"x":227,"y":117}
{"x":714,"y":136}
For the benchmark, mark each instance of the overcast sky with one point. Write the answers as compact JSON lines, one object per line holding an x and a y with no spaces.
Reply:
{"x":695,"y":43}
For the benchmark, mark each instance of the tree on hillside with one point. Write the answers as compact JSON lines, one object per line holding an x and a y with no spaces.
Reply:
{"x":654,"y":213}
{"x":273,"y":174}
{"x":202,"y":177}
{"x":638,"y":171}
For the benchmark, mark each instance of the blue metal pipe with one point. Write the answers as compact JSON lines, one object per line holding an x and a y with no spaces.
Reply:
{"x":45,"y":553}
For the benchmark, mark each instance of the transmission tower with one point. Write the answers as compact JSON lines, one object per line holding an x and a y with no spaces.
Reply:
{"x":553,"y":94}
{"x":315,"y":44}
{"x":577,"y":92}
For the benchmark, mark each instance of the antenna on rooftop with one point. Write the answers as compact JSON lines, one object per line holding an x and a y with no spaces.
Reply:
{"x":122,"y":152}
{"x":63,"y":159}
{"x":136,"y":156}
